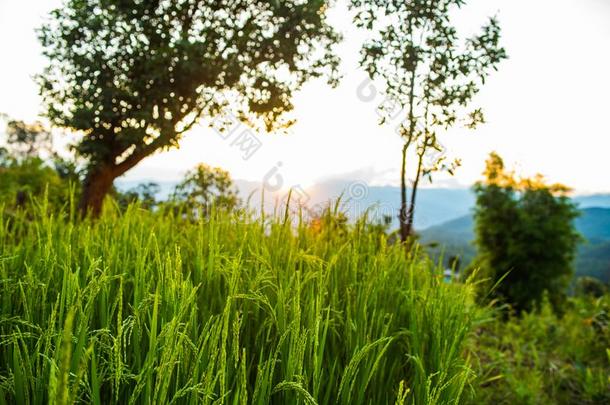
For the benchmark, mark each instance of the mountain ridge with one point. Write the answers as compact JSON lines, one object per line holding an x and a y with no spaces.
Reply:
{"x":435,"y":206}
{"x":455,"y":237}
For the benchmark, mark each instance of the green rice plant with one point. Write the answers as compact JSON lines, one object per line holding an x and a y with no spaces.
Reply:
{"x":147,"y":307}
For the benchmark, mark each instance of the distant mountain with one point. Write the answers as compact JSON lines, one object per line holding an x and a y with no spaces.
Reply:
{"x":593,"y":200}
{"x":435,"y":206}
{"x":456,"y":237}
{"x":594,"y":224}
{"x":594,"y":260}
{"x":456,"y":231}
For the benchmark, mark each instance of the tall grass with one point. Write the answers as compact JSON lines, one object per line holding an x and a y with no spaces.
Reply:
{"x":144,"y":307}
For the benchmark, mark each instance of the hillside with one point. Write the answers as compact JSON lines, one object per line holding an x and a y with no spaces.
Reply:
{"x":456,"y":237}
{"x":594,"y":224}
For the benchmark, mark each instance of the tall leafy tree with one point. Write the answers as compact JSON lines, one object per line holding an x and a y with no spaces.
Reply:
{"x":430,"y":73}
{"x":525,"y":236}
{"x":133,"y":76}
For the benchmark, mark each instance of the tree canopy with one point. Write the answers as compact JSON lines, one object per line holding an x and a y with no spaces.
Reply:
{"x":205,"y":188}
{"x":133,"y":76}
{"x":525,"y":235}
{"x":430,"y":72}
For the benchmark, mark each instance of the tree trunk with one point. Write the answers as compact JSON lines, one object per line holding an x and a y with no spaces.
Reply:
{"x":96,"y":186}
{"x":404,"y":234}
{"x":99,"y":179}
{"x":405,"y":231}
{"x":411,"y":212}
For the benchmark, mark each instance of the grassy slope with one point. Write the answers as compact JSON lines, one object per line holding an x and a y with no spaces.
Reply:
{"x":545,"y":358}
{"x":145,"y":308}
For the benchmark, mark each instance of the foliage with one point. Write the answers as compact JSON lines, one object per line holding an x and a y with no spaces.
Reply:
{"x":134,"y":76}
{"x":24,"y":172}
{"x":541,"y":358}
{"x":590,"y":286}
{"x":430,"y":72}
{"x":525,"y":236}
{"x":5,"y":157}
{"x":31,"y":177}
{"x":67,"y":168}
{"x":27,"y":140}
{"x":203,"y":188}
{"x":145,"y":194}
{"x":145,"y":307}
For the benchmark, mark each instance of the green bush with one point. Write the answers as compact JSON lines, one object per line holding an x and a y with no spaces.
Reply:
{"x":525,"y":237}
{"x":30,"y":178}
{"x":541,"y":358}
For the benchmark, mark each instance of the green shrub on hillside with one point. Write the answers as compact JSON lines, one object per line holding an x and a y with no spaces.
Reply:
{"x":541,"y":358}
{"x":525,"y":237}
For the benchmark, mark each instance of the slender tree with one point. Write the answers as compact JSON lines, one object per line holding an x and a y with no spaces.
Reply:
{"x":133,"y":76}
{"x":430,"y":73}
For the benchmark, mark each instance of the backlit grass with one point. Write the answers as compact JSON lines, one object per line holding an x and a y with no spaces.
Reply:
{"x":144,"y":307}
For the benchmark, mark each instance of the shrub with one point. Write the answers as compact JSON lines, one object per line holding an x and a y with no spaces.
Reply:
{"x":541,"y":358}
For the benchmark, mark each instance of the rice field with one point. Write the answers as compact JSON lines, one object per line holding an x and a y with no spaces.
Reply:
{"x":145,"y":307}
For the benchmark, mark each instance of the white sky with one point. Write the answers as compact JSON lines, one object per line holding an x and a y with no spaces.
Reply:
{"x":548,"y":107}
